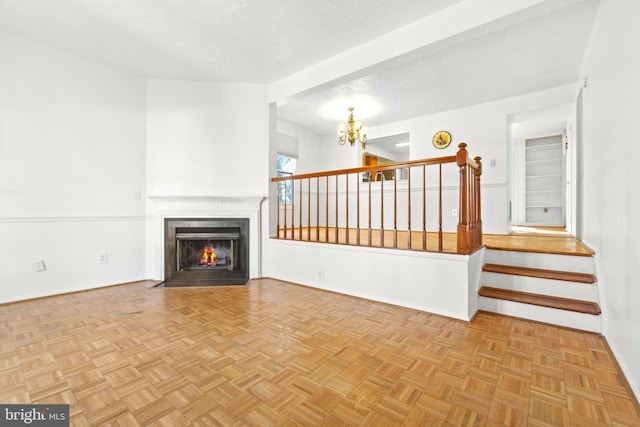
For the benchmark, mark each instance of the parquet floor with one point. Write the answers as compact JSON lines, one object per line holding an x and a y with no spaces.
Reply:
{"x":274,"y":353}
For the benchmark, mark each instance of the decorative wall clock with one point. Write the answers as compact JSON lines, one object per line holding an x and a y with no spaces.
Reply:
{"x":442,"y":139}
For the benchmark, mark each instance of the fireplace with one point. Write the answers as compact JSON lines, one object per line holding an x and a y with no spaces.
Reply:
{"x":206,"y":251}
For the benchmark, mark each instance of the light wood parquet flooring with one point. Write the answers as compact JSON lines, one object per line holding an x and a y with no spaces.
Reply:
{"x":275,"y":353}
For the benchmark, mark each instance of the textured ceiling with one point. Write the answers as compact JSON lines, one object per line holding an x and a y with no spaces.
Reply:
{"x":537,"y":54}
{"x":256,"y":41}
{"x":263,"y":41}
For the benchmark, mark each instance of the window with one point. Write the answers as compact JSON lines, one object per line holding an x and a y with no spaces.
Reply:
{"x":285,"y":166}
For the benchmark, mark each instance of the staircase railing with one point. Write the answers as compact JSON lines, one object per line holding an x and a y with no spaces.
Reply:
{"x":348,"y":206}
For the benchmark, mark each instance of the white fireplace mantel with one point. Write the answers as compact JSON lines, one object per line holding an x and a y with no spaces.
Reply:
{"x":162,"y":207}
{"x":230,"y":202}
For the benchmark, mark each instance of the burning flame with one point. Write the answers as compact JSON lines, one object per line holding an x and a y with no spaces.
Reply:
{"x":208,"y":256}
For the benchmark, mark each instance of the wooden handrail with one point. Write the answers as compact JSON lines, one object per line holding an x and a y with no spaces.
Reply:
{"x":468,"y":231}
{"x":376,"y":168}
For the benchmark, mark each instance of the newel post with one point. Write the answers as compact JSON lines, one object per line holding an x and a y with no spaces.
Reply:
{"x":478,"y":208}
{"x":463,"y":231}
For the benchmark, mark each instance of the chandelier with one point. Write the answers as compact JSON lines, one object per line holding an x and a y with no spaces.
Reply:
{"x":352,"y":131}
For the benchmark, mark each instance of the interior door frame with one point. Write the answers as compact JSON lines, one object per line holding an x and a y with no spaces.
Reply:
{"x":519,"y":217}
{"x":578,"y":173}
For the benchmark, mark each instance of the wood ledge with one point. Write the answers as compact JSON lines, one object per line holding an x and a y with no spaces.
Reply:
{"x":578,"y":306}
{"x":567,"y":276}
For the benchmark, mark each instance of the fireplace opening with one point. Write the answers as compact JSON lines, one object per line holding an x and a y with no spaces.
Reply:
{"x":206,"y":249}
{"x":204,"y":252}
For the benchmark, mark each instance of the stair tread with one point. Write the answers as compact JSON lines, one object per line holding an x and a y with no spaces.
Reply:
{"x":579,"y":306}
{"x":568,"y":276}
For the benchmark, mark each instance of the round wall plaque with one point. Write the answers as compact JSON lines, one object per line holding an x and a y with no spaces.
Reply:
{"x":442,"y":139}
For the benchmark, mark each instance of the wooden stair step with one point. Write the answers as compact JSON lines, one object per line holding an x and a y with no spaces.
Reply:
{"x":579,"y":306}
{"x":568,"y":276}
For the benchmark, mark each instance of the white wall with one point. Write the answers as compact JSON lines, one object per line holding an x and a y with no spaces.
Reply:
{"x":72,"y":153}
{"x":204,"y":139}
{"x":437,"y":283}
{"x":207,"y":138}
{"x":611,"y":153}
{"x":310,"y":146}
{"x":483,"y":127}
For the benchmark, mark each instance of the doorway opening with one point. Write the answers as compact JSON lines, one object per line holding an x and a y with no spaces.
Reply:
{"x":544,"y":168}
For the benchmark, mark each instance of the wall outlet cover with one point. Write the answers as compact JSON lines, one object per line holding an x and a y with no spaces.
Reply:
{"x":39,"y":266}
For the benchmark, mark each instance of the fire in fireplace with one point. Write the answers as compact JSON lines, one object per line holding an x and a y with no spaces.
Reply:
{"x":204,"y":252}
{"x":210,"y":257}
{"x":205,"y":249}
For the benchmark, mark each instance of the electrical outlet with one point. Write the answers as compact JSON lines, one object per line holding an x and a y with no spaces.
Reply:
{"x":321,"y":275}
{"x":454,"y":212}
{"x":135,"y":194}
{"x":492,"y":163}
{"x":103,"y":258}
{"x":39,"y":266}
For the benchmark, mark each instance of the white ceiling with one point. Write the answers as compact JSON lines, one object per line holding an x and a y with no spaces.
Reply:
{"x":256,"y":41}
{"x":532,"y":55}
{"x":263,"y":41}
